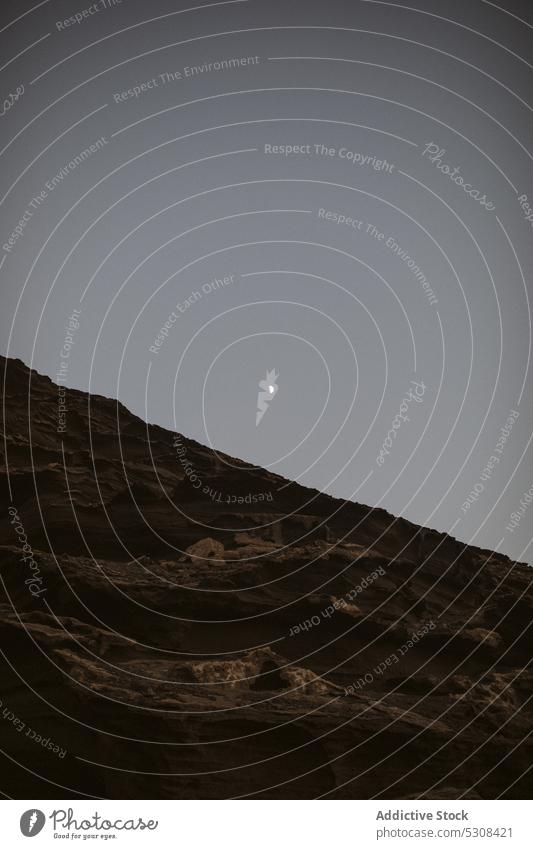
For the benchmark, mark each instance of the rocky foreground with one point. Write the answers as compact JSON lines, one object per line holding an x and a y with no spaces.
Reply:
{"x":176,"y":625}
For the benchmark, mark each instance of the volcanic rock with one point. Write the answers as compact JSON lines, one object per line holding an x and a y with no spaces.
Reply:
{"x":177,"y":646}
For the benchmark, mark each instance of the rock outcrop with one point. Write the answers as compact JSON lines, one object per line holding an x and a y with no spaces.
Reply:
{"x":159,"y":642}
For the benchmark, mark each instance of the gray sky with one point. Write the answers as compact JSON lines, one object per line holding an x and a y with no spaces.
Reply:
{"x":299,"y":210}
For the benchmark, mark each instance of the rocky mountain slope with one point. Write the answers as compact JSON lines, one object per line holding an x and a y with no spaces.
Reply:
{"x":177,"y":625}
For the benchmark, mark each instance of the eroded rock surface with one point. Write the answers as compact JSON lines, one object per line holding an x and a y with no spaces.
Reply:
{"x":175,"y":645}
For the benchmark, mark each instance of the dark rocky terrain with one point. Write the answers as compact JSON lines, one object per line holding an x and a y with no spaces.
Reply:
{"x":174,"y":644}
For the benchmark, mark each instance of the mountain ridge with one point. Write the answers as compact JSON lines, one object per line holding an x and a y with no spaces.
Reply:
{"x":195,"y":446}
{"x":174,"y":645}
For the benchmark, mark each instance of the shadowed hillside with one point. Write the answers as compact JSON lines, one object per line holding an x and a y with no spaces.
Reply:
{"x":178,"y":625}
